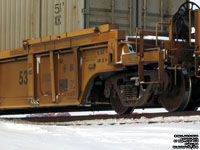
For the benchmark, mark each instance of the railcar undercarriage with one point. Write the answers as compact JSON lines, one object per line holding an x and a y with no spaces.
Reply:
{"x":178,"y":89}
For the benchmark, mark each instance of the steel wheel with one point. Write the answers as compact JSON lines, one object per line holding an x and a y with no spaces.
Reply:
{"x":118,"y":107}
{"x":176,"y":97}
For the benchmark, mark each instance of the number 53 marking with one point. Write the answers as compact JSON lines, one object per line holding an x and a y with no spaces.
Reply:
{"x":23,"y":78}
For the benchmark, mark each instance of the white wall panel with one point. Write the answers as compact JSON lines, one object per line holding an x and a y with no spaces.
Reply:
{"x":18,"y":21}
{"x":27,"y":19}
{"x":59,"y":16}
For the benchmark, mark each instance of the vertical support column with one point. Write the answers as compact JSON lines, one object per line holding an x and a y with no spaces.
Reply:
{"x":141,"y":58}
{"x":196,"y":64}
{"x":197,"y":42}
{"x":52,"y":72}
{"x":113,"y":52}
{"x":161,"y":67}
{"x":76,"y":73}
{"x":31,"y":78}
{"x":190,"y":27}
{"x":156,"y":34}
{"x":171,"y":30}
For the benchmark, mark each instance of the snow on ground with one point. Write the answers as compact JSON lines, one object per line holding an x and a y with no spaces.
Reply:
{"x":194,"y":119}
{"x":140,"y":136}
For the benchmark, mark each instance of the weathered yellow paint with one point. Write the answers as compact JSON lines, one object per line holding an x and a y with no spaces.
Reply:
{"x":31,"y":77}
{"x":55,"y":70}
{"x":52,"y":72}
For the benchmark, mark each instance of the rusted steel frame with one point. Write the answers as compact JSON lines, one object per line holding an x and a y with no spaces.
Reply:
{"x":52,"y":72}
{"x":31,"y":77}
{"x":141,"y":58}
{"x":175,"y":68}
{"x":159,"y":23}
{"x":197,"y":50}
{"x":130,"y":59}
{"x":190,"y":27}
{"x":157,"y":57}
{"x":175,"y":74}
{"x":171,"y":30}
{"x":129,"y":42}
{"x":150,"y":57}
{"x":196,"y":64}
{"x":146,"y":33}
{"x":161,"y":67}
{"x":134,"y":43}
{"x":156,"y":34}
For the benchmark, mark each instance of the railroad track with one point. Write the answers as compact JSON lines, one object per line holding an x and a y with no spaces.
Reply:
{"x":190,"y":116}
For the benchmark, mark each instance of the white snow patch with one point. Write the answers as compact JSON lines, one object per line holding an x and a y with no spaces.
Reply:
{"x":142,"y":120}
{"x":18,"y":136}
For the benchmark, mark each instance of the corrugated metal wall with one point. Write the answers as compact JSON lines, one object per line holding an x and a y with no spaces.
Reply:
{"x":26,"y":19}
{"x":119,"y":12}
{"x":59,"y":16}
{"x":126,"y":14}
{"x":154,"y":11}
{"x":18,"y":21}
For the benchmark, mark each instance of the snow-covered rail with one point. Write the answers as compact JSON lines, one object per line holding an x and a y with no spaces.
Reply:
{"x":192,"y":116}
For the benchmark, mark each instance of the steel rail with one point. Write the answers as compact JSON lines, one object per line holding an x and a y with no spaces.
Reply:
{"x":100,"y":117}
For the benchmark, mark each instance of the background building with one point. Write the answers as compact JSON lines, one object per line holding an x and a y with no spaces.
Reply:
{"x":27,"y":19}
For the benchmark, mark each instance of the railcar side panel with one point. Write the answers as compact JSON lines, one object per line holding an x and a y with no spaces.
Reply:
{"x":14,"y":81}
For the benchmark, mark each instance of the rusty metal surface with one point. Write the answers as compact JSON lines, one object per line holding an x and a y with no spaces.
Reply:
{"x":118,"y":107}
{"x":177,"y":95}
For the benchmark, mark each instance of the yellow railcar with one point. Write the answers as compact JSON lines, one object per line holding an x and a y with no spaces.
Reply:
{"x":95,"y":67}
